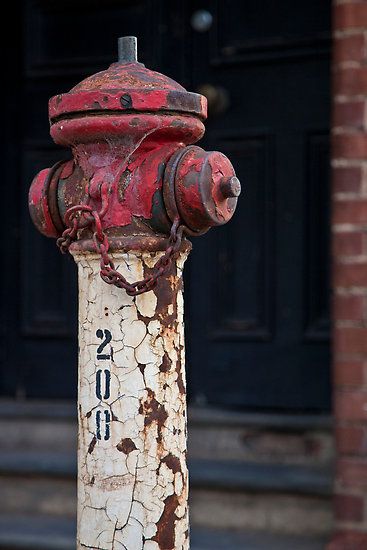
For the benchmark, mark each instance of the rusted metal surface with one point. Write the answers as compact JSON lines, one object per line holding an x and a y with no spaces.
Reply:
{"x":124,"y":126}
{"x":42,"y":199}
{"x":109,"y":274}
{"x":201,"y":188}
{"x":126,"y":87}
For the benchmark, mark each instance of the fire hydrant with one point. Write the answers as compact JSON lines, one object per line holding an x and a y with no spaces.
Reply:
{"x":123,"y":205}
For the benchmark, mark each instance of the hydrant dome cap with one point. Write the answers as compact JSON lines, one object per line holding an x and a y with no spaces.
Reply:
{"x":130,"y":87}
{"x":129,"y":76}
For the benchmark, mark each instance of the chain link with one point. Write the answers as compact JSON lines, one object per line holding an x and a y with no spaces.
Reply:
{"x":83,"y":216}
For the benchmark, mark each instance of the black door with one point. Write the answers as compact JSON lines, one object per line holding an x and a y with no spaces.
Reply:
{"x":259,"y":287}
{"x":256,"y":291}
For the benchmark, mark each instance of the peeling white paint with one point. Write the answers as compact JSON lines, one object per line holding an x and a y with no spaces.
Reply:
{"x":132,"y":475}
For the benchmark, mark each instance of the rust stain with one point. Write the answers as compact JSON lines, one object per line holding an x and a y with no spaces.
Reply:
{"x":92,"y":444}
{"x":166,"y":364}
{"x":153,"y":411}
{"x":141,"y":317}
{"x":126,"y":446}
{"x":165,"y":298}
{"x":165,"y":536}
{"x":172,"y":462}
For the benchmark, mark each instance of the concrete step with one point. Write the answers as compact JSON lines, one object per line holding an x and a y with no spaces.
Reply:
{"x":247,"y":471}
{"x":225,"y":494}
{"x":44,"y":533}
{"x":39,"y":463}
{"x":205,"y":539}
{"x":280,"y":513}
{"x":221,"y":474}
{"x":213,"y":434}
{"x":37,"y":495}
{"x":36,"y":533}
{"x":38,"y":426}
{"x":262,"y":438}
{"x":238,"y":476}
{"x":275,"y":497}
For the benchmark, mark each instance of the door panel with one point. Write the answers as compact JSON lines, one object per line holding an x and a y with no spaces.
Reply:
{"x":258,"y":305}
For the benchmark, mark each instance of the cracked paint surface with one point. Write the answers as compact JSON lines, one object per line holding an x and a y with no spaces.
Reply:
{"x":132,"y":474}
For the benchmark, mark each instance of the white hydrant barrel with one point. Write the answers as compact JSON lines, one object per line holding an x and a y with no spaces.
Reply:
{"x":132,"y":473}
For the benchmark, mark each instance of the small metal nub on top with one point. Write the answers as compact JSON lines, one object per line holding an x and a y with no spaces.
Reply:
{"x":127,"y":49}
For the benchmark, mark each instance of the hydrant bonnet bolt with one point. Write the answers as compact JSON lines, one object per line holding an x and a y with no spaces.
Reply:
{"x":230,"y":187}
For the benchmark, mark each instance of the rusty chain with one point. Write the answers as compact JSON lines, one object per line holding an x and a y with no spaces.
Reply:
{"x":83,"y":216}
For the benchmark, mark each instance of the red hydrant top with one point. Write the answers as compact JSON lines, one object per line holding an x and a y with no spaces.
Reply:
{"x":125,"y":87}
{"x":135,"y":176}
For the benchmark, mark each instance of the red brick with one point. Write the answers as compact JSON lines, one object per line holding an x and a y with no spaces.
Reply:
{"x":349,"y":146}
{"x":349,"y":48}
{"x":347,"y":179}
{"x":349,"y":372}
{"x":350,"y":340}
{"x":348,"y":244}
{"x":348,"y":308}
{"x":348,"y":541}
{"x":347,"y":275}
{"x":349,"y":114}
{"x":352,"y":472}
{"x":351,"y":15}
{"x":349,"y":507}
{"x":350,"y":405}
{"x":351,"y":440}
{"x":350,"y":81}
{"x":353,"y":211}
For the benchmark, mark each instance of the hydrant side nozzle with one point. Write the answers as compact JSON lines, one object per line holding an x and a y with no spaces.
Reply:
{"x":43,"y":202}
{"x":200,"y":187}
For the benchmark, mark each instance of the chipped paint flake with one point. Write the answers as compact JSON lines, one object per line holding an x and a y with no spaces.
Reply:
{"x":132,"y":475}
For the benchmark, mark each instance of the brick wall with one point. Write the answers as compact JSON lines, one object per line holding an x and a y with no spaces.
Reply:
{"x":349,"y":248}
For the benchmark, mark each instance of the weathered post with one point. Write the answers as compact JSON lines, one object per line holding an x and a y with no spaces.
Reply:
{"x":122,"y":206}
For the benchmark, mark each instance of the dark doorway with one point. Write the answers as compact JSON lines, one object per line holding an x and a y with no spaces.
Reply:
{"x":257,"y":290}
{"x":259,"y":287}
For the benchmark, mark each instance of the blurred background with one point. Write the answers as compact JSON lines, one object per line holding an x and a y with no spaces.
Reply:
{"x":257,"y":292}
